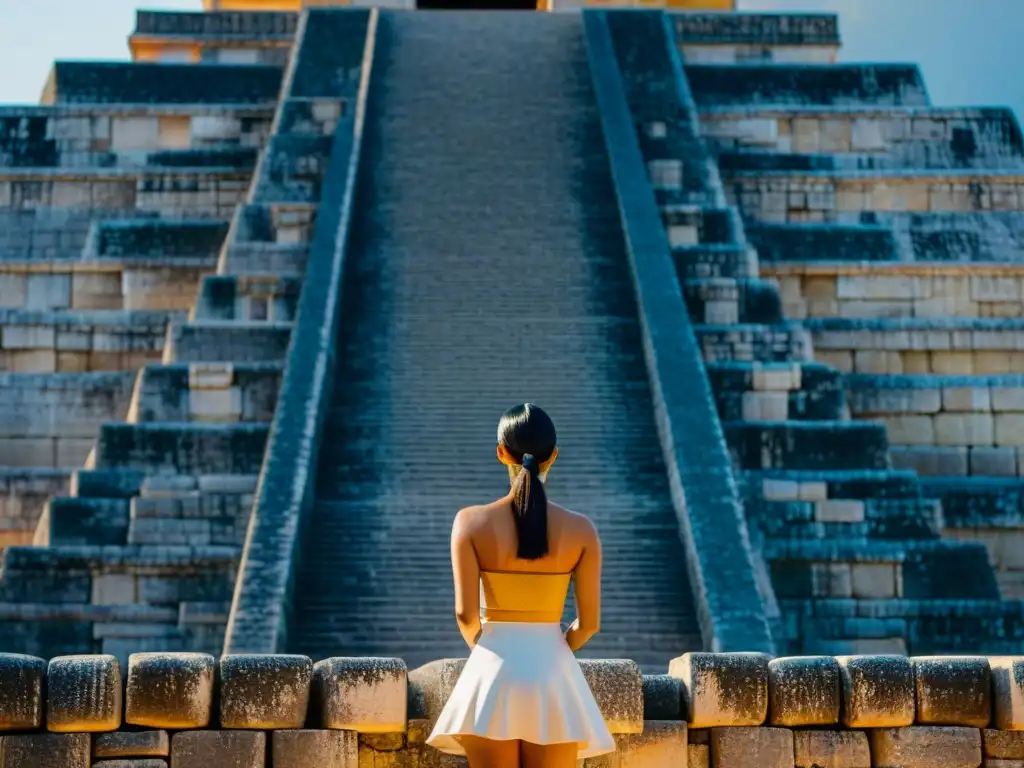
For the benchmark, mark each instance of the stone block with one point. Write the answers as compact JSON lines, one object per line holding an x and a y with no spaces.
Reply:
{"x":874,"y":580}
{"x":698,"y":756}
{"x":803,"y":690}
{"x":1008,"y":399}
{"x":46,"y":750}
{"x":1003,"y":745}
{"x":663,"y":698}
{"x":878,"y":691}
{"x":964,"y":429}
{"x":83,"y":694}
{"x":831,"y":749}
{"x":926,"y":747}
{"x":966,"y":399}
{"x":21,"y":692}
{"x":953,"y":690}
{"x":751,"y":747}
{"x":839,"y":511}
{"x":994,"y":461}
{"x":170,"y":690}
{"x":230,"y":749}
{"x":367,"y":695}
{"x":264,"y":692}
{"x":132,"y":744}
{"x":1007,"y":692}
{"x":662,"y":742}
{"x":141,"y":762}
{"x":723,"y":689}
{"x":617,"y":686}
{"x":305,"y":749}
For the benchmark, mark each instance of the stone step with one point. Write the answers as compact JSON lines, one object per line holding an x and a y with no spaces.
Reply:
{"x":168,"y":448}
{"x":244,"y":392}
{"x":777,"y":391}
{"x":147,"y":283}
{"x":694,"y":262}
{"x":853,"y":196}
{"x":807,"y":444}
{"x":796,"y":484}
{"x":913,"y":569}
{"x":24,"y":492}
{"x":197,"y":240}
{"x":948,"y":346}
{"x":754,"y":343}
{"x":283,"y":259}
{"x":728,"y":300}
{"x":75,"y":82}
{"x":73,"y":521}
{"x":910,"y":138}
{"x":72,"y":342}
{"x":853,"y":519}
{"x":293,"y":167}
{"x":248,"y":298}
{"x":235,"y":341}
{"x":845,"y":85}
{"x":53,"y":415}
{"x":943,"y":627}
{"x":777,"y":243}
{"x":996,"y":504}
{"x":689,"y":225}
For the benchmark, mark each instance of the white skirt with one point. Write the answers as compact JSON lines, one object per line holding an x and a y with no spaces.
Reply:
{"x":522,"y":682}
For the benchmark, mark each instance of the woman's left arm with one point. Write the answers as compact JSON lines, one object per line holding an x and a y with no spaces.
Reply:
{"x":466,"y":571}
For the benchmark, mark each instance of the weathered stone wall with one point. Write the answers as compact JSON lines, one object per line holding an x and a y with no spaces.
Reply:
{"x":862,"y":137}
{"x":126,"y":133}
{"x":740,"y":710}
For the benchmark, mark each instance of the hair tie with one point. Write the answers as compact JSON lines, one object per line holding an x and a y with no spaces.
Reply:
{"x":529,"y":463}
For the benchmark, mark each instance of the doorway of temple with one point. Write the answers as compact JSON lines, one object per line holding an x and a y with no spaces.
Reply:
{"x":479,"y":5}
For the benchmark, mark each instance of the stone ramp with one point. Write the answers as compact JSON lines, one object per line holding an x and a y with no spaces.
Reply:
{"x":487,"y":268}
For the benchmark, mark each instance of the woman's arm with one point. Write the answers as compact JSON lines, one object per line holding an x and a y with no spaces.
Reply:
{"x":588,"y":592}
{"x":466,"y":571}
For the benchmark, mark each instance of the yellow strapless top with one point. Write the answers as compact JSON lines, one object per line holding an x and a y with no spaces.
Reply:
{"x":524,"y":597}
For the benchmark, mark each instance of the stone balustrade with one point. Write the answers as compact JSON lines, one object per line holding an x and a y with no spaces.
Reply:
{"x":734,"y":710}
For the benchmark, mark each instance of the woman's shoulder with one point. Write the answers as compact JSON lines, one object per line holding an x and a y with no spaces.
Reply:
{"x":578,"y":521}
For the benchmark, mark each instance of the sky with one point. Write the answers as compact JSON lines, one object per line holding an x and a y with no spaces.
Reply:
{"x":966,"y":48}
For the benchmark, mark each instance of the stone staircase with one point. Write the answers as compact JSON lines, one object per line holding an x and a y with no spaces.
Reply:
{"x":853,"y":546}
{"x":142,"y":551}
{"x":486,"y":267}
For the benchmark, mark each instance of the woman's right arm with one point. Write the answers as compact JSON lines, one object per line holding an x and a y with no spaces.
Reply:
{"x":588,"y":591}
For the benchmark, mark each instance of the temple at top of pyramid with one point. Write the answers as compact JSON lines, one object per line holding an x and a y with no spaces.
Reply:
{"x":266,"y":288}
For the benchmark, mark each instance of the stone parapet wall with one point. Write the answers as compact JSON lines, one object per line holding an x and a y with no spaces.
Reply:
{"x":738,"y":38}
{"x":738,"y":710}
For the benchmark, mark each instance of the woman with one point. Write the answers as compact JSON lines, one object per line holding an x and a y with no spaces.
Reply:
{"x":521,"y":698}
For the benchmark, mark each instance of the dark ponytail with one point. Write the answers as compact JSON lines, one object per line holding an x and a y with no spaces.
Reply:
{"x":530,"y":507}
{"x":528,"y":434}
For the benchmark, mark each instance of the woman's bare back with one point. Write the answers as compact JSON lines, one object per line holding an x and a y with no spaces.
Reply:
{"x":492,"y":530}
{"x":484,"y":539}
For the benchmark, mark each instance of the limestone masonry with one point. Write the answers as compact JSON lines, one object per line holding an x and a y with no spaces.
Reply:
{"x":265,"y":289}
{"x":736,"y":710}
